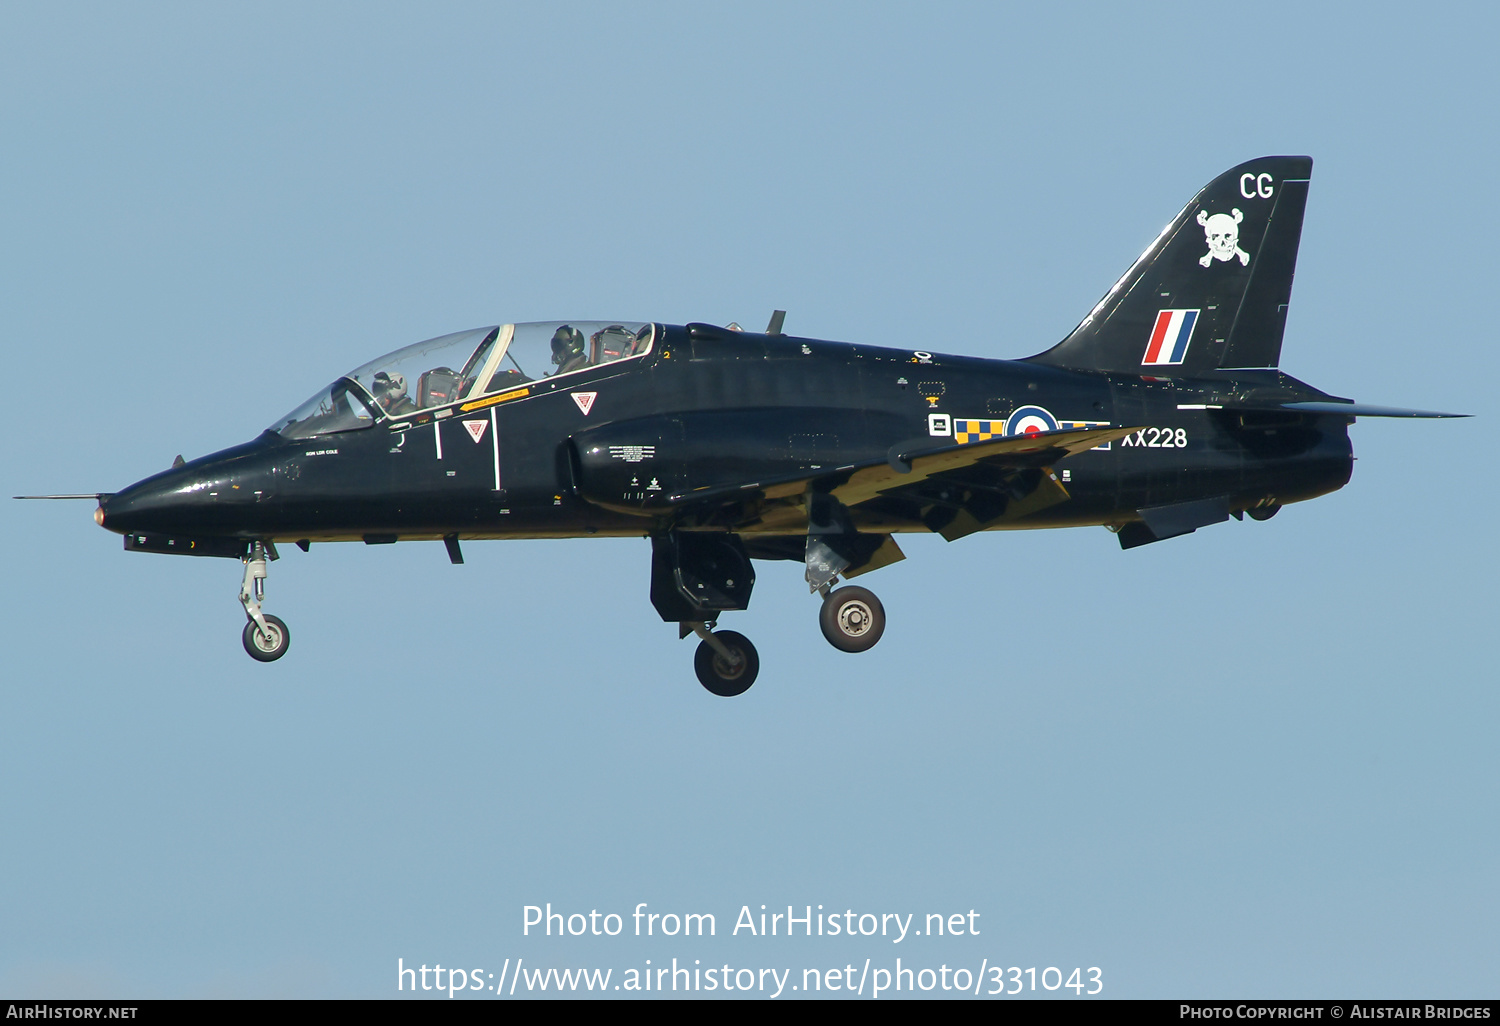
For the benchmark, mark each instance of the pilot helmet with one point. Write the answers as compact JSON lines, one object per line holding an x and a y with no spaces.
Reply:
{"x":567,"y":342}
{"x":389,"y":387}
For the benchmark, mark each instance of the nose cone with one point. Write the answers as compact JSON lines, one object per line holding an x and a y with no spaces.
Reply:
{"x":225,"y":494}
{"x":164,"y":502}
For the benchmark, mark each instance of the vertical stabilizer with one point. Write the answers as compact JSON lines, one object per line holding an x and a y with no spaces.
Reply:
{"x":1212,"y":291}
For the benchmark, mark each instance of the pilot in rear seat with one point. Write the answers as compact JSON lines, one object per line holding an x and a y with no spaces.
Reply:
{"x":568,"y":349}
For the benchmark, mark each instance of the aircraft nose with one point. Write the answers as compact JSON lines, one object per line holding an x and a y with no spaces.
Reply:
{"x":221,"y":495}
{"x":159,"y":503}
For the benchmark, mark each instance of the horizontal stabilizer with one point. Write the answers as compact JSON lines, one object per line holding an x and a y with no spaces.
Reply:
{"x":1365,"y":410}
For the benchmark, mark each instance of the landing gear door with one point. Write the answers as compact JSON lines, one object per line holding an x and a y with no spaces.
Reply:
{"x":695,"y":576}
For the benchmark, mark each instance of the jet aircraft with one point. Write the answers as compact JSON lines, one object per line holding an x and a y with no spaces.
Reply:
{"x":1163,"y":411}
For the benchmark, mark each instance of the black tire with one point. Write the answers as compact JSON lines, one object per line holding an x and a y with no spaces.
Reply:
{"x":1264,"y":512}
{"x":266,"y":649}
{"x":717,"y":675}
{"x":852,"y":619}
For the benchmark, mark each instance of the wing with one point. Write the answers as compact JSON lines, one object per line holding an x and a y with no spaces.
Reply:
{"x":954,"y":488}
{"x":906,"y":468}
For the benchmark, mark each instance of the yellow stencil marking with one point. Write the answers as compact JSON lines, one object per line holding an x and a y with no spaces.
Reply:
{"x":491,"y":400}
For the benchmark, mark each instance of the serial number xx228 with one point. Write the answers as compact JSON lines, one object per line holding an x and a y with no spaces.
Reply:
{"x":1157,"y":438}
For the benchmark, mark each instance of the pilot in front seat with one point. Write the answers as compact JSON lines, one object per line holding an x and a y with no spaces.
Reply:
{"x":390,"y":393}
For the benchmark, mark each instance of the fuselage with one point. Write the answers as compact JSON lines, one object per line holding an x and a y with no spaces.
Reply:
{"x":1162,"y":412}
{"x":598,"y":451}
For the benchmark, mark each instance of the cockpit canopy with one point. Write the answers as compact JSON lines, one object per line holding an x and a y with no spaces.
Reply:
{"x":463,"y":366}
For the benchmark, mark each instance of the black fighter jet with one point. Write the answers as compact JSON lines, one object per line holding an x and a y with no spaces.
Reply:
{"x":1161,"y":413}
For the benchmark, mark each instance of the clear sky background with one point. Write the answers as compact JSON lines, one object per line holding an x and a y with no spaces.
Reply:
{"x":1256,"y":761}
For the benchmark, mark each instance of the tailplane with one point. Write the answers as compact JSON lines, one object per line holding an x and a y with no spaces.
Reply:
{"x":1212,"y":291}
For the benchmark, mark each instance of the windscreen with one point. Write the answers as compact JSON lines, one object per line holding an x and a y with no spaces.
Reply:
{"x":339,"y":407}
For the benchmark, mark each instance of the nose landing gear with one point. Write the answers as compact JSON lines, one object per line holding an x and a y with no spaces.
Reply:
{"x":265,"y":637}
{"x":268,"y":642}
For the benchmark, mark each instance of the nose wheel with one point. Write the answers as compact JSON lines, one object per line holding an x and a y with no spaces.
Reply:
{"x":266,"y":637}
{"x":269,"y":642}
{"x":852,"y":619}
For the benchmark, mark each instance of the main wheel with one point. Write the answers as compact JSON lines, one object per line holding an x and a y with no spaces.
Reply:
{"x":1264,"y":512}
{"x":714,"y":671}
{"x":266,"y":646}
{"x":852,"y":619}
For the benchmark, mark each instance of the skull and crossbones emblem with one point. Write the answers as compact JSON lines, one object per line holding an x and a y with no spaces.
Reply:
{"x":1222,"y":232}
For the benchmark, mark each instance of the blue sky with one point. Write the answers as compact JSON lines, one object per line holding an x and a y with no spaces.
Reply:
{"x":1256,"y":761}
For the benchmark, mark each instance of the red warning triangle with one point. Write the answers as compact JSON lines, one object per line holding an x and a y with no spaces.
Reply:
{"x":585,"y":401}
{"x":476,"y":428}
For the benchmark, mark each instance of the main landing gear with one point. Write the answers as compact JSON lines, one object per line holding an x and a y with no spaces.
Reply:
{"x":266,"y":637}
{"x":852,"y":618}
{"x":726,"y":662}
{"x":697,"y":575}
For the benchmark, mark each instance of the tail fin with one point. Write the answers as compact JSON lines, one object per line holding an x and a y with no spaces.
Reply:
{"x":1212,"y":291}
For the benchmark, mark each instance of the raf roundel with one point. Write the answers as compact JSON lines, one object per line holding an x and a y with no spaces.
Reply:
{"x":1030,"y":420}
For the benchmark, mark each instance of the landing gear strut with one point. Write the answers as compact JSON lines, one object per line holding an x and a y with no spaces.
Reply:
{"x":852,"y":619}
{"x":266,"y":637}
